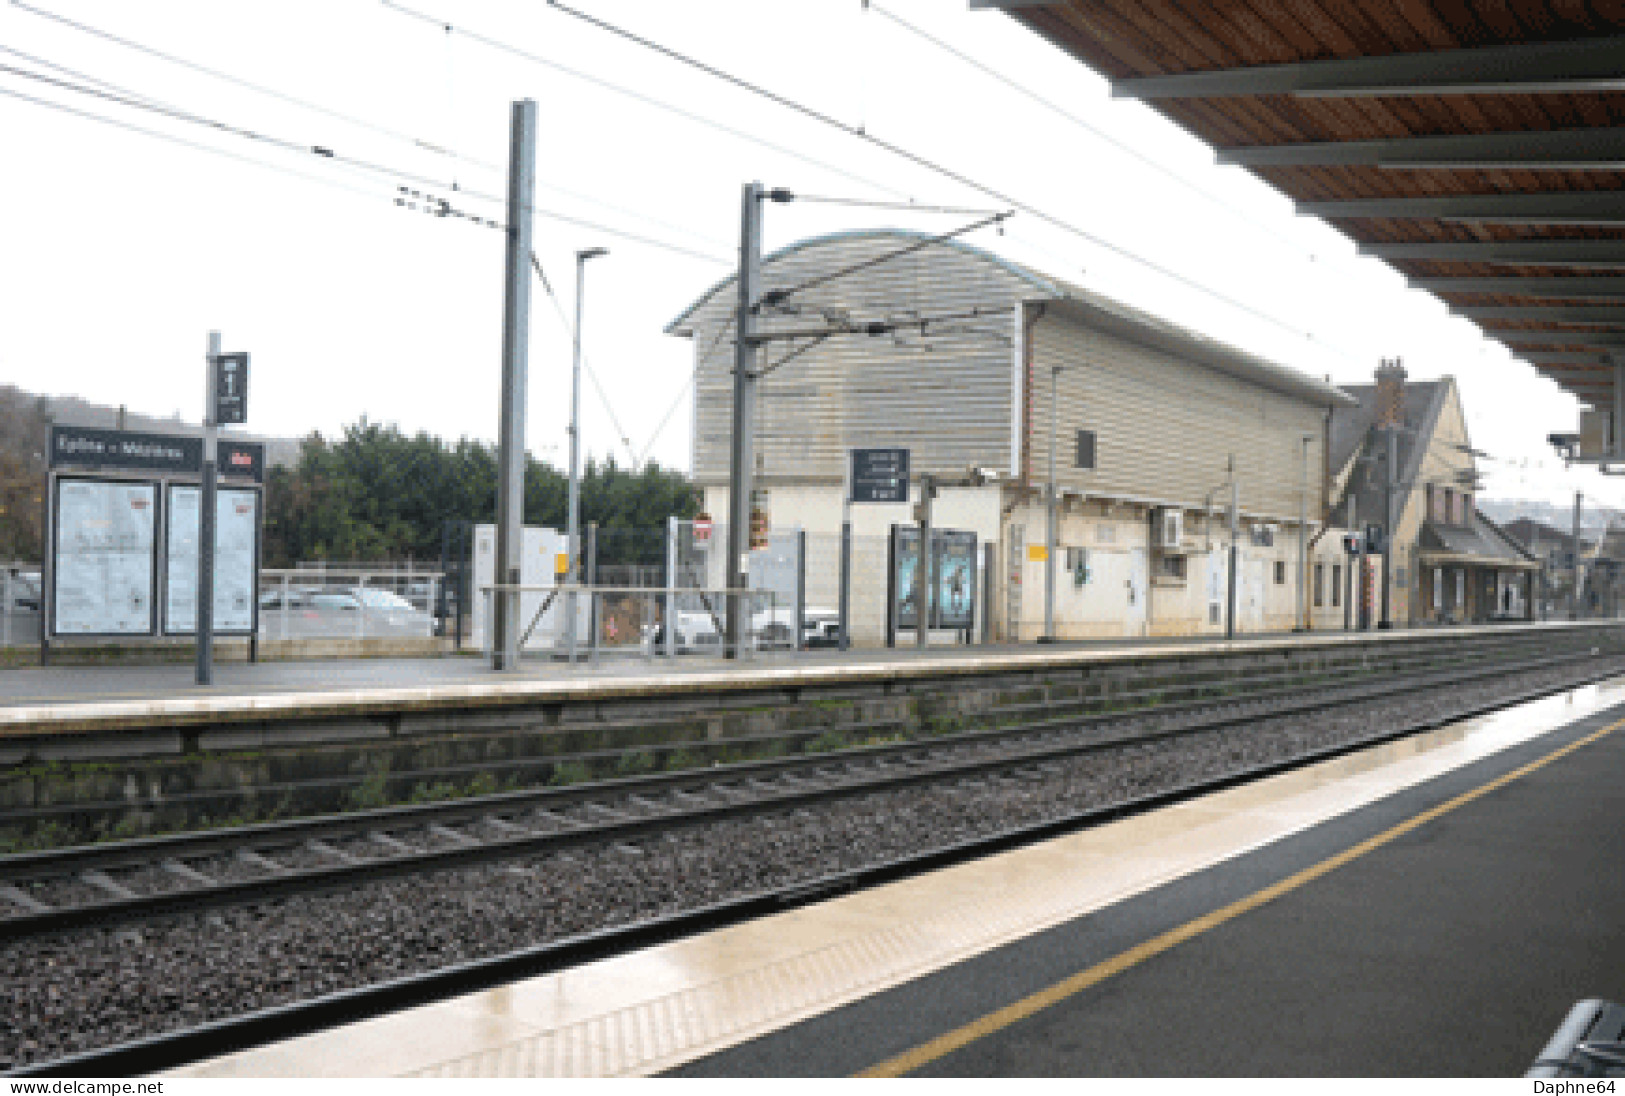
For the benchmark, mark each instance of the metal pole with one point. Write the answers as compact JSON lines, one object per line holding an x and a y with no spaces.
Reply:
{"x":515,"y":370}
{"x":801,"y":590}
{"x":741,"y":456}
{"x":1574,"y":586}
{"x":1050,"y":534}
{"x":205,"y":524}
{"x":1235,"y":503}
{"x":573,"y":523}
{"x":846,"y":579}
{"x":1349,"y":563}
{"x":592,"y":598}
{"x":922,"y":573}
{"x":670,"y":630}
{"x":1386,"y":619}
{"x":1303,"y":540}
{"x":990,"y":559}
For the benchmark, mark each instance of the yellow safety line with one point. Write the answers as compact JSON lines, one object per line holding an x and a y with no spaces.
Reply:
{"x":959,"y":1038}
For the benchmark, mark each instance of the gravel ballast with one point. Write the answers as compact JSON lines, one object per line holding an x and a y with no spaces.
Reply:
{"x":93,"y":988}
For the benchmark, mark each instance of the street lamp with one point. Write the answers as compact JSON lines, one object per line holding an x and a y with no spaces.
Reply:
{"x":573,"y":523}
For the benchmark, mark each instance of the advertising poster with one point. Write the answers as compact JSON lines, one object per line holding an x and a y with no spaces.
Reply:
{"x":103,"y":567}
{"x":953,"y":602}
{"x":235,"y":578}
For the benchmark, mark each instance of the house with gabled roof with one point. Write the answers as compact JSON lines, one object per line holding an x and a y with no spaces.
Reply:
{"x":1451,"y":564}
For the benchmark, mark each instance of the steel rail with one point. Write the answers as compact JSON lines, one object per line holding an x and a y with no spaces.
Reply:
{"x":170,"y":1049}
{"x":864,"y":773}
{"x":134,"y":852}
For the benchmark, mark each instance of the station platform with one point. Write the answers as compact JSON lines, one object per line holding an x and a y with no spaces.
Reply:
{"x":1429,"y":907}
{"x":128,"y":697}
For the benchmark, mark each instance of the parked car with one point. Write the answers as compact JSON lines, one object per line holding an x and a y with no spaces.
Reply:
{"x":330,"y":600}
{"x":696,"y":632}
{"x":297,"y":597}
{"x":773,"y":628}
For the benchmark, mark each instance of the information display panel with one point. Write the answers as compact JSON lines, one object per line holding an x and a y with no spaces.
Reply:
{"x":953,"y":569}
{"x":104,"y":561}
{"x":236,"y":553}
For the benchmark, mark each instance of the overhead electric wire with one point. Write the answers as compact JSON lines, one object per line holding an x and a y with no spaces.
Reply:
{"x":454,"y":155}
{"x":773,"y":297}
{"x":327,"y":154}
{"x":912,"y":207}
{"x":238,"y":81}
{"x":1128,"y":150}
{"x":918,"y":160}
{"x":181,"y":115}
{"x":638,"y":96}
{"x":118,"y":123}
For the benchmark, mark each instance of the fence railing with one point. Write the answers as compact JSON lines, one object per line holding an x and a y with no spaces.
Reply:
{"x":311,"y":603}
{"x":620,"y":621}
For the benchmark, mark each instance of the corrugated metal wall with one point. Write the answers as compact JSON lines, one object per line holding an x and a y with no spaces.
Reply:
{"x":945,"y":395}
{"x":1165,"y":429}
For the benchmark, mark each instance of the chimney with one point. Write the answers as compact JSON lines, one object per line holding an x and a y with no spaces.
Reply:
{"x":1390,"y":394}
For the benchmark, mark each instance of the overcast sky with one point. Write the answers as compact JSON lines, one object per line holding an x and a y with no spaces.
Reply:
{"x":121,"y":250}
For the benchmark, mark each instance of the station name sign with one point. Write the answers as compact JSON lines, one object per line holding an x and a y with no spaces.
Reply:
{"x":90,"y":447}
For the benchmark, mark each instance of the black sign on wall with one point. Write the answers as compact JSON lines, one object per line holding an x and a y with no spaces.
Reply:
{"x":91,"y":448}
{"x":879,"y":475}
{"x":231,"y":389}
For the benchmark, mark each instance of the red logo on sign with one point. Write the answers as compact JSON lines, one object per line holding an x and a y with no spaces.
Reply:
{"x":242,"y":460}
{"x":702,"y":527}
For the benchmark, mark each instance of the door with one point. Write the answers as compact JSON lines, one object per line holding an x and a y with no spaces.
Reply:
{"x":1138,"y":578}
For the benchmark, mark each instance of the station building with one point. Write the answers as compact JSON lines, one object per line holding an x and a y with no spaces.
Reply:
{"x":989,"y":368}
{"x":1451,"y":564}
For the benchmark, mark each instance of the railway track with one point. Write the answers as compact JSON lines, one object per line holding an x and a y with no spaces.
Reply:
{"x":1206,"y":680}
{"x":61,"y":890}
{"x":1387,"y":713}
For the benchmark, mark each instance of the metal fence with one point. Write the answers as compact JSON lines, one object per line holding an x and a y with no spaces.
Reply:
{"x":330,"y":602}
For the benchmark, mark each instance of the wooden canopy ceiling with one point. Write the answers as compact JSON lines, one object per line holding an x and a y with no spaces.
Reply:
{"x":1477,"y":147}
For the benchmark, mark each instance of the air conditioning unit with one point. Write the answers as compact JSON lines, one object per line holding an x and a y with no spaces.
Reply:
{"x":1167,"y":528}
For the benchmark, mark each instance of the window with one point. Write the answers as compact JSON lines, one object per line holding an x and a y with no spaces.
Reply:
{"x":1337,"y":585}
{"x":1085,"y":456}
{"x":1171,"y":567}
{"x":1438,"y":588}
{"x":1280,"y":572}
{"x":1320,"y":584}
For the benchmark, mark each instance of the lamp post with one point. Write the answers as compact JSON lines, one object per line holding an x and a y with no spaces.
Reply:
{"x":573,"y":525}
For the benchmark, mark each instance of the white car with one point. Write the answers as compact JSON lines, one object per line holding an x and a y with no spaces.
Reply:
{"x":774,"y":627}
{"x":696,"y":631}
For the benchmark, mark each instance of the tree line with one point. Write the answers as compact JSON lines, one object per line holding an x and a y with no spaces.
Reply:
{"x":375,"y":494}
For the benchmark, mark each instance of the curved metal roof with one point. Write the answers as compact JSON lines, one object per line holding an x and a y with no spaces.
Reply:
{"x":1095,"y":310}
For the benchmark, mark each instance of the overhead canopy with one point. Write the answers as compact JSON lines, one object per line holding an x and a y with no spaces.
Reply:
{"x":1472,"y":146}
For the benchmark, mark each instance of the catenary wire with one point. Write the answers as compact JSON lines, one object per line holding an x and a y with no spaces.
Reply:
{"x":327,"y":154}
{"x":932,"y":166}
{"x":637,"y":96}
{"x":260,"y":89}
{"x":1128,"y":150}
{"x":198,"y":146}
{"x":775,"y":297}
{"x":456,"y":156}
